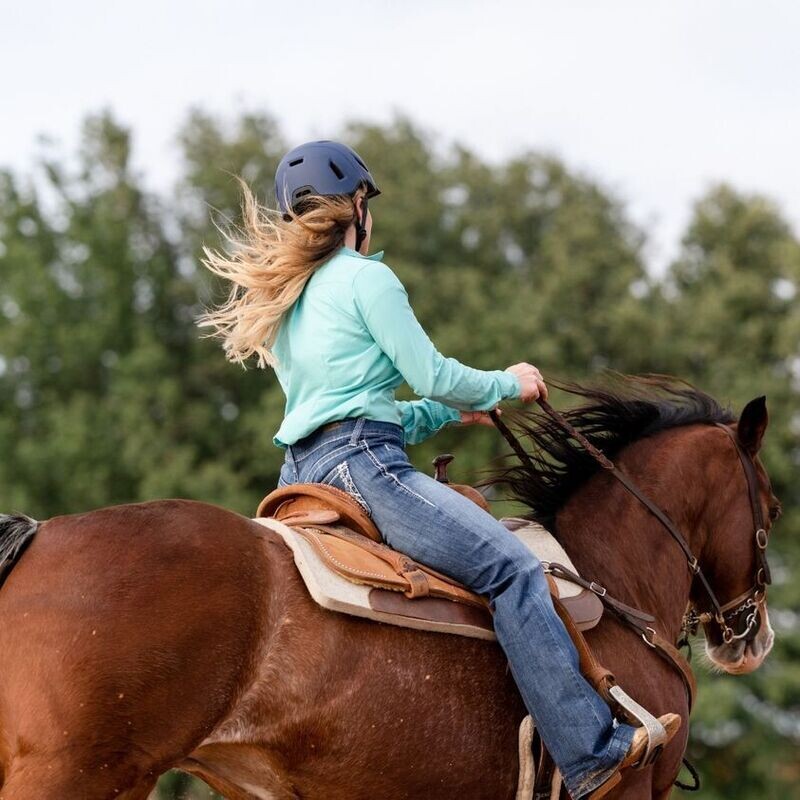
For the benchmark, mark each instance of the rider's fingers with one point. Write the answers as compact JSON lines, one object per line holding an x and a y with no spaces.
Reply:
{"x":542,"y":389}
{"x":534,"y":393}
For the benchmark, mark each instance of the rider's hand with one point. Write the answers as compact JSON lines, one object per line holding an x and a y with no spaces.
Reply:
{"x":531,"y":381}
{"x":478,"y":417}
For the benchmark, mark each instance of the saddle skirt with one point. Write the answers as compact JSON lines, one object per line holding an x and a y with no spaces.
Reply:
{"x":346,"y":568}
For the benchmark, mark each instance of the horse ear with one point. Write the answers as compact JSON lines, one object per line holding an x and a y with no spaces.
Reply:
{"x":752,"y":424}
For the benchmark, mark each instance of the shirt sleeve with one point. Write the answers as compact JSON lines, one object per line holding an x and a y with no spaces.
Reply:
{"x":382,"y":301}
{"x":422,"y":418}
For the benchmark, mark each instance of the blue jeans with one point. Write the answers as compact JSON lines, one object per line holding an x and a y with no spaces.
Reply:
{"x":437,"y":526}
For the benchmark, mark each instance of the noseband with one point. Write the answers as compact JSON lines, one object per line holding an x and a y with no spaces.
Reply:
{"x":739,"y":618}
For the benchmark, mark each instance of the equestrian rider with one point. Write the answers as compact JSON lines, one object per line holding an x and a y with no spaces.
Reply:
{"x":336,"y":326}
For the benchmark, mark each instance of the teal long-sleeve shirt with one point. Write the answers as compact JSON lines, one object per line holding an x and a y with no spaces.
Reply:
{"x":352,"y":338}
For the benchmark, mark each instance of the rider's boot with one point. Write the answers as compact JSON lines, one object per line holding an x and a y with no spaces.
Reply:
{"x":671,"y":723}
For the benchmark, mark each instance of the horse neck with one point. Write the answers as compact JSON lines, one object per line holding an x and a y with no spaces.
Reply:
{"x":613,"y":539}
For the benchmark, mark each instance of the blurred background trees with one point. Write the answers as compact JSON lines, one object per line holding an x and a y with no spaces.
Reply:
{"x":108,"y":394}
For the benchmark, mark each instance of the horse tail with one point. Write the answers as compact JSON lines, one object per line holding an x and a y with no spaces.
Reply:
{"x":16,"y":533}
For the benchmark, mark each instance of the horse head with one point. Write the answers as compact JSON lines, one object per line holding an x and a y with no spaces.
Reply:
{"x":693,"y":458}
{"x":738,"y":636}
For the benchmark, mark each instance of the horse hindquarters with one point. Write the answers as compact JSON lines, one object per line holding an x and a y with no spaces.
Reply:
{"x":39,"y":781}
{"x":126,"y":634}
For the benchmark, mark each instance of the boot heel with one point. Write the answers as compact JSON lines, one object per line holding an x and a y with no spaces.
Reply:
{"x":602,"y":791}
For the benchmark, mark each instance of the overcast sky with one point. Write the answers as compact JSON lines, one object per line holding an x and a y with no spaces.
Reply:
{"x":655,"y":100}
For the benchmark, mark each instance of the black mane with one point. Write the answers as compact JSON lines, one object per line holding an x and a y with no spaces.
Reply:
{"x":629,"y":408}
{"x":16,"y":533}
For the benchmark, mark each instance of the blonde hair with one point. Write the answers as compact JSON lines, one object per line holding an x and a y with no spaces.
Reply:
{"x":268,"y":264}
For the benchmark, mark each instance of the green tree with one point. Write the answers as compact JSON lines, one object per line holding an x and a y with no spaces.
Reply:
{"x":109,"y":394}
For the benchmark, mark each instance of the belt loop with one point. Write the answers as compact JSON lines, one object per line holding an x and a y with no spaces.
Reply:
{"x":359,"y":426}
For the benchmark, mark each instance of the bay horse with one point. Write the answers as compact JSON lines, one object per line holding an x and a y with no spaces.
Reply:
{"x":178,"y":635}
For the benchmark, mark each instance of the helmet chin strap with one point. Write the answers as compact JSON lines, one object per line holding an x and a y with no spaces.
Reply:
{"x":361,"y":226}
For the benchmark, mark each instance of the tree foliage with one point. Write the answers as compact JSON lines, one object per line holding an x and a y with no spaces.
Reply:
{"x":109,"y":394}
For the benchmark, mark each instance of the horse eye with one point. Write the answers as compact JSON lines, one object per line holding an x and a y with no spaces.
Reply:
{"x":775,"y":512}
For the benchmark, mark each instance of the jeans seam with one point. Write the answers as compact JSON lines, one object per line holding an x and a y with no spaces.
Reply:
{"x":290,"y":467}
{"x":318,"y":447}
{"x":347,"y":479}
{"x":323,"y":461}
{"x":385,"y":472}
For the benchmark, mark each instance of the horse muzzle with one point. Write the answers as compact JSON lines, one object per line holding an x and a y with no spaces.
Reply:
{"x":746,"y":654}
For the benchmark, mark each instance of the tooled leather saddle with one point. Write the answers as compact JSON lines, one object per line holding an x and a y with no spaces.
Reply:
{"x":328,"y":530}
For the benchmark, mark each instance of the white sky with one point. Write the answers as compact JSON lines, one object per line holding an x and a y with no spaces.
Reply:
{"x":655,"y":100}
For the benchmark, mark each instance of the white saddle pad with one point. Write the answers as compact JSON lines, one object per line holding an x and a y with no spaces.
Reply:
{"x":336,"y":593}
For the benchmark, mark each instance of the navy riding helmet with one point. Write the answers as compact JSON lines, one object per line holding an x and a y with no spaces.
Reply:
{"x":323,"y":168}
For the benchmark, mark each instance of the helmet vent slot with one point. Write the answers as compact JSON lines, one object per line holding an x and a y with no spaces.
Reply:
{"x":336,"y":171}
{"x":296,"y":162}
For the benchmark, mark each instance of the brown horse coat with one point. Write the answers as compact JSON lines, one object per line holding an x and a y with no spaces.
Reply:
{"x":132,"y":635}
{"x":169,"y":634}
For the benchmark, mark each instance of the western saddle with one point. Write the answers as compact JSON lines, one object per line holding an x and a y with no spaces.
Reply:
{"x":348,"y":542}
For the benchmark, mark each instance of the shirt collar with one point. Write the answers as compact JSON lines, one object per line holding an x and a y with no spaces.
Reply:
{"x":374,"y":257}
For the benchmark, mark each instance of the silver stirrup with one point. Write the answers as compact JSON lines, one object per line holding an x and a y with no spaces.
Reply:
{"x":656,"y":733}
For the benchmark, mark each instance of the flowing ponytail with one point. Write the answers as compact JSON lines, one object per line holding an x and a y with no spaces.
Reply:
{"x":268,"y":264}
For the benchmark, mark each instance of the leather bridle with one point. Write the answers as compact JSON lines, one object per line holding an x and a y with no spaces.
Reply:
{"x":728,"y":616}
{"x":747,"y":604}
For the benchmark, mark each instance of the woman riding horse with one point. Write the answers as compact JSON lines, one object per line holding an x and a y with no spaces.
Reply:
{"x":337,"y":327}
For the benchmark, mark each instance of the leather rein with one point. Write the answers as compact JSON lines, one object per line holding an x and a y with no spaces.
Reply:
{"x":747,"y":604}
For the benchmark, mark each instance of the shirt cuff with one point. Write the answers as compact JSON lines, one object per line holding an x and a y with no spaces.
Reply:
{"x":450,"y":415}
{"x":512,"y":388}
